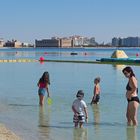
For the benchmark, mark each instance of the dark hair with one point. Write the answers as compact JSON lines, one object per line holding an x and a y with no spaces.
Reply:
{"x":129,"y":70}
{"x":80,"y":93}
{"x":98,"y":79}
{"x":45,"y":77}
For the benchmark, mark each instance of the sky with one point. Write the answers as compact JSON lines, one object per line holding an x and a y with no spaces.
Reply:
{"x":27,"y":20}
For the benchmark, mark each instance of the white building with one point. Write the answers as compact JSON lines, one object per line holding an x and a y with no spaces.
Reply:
{"x":1,"y":42}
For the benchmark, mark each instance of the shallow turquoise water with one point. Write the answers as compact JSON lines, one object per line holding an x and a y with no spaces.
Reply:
{"x":19,"y":100}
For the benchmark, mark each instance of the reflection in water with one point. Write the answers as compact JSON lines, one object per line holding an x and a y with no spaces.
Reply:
{"x":80,"y":134}
{"x":96,"y":117}
{"x":44,"y":119}
{"x":131,"y":133}
{"x":96,"y":113}
{"x":119,"y":67}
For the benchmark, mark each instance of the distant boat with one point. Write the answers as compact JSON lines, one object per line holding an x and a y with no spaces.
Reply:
{"x":73,"y":53}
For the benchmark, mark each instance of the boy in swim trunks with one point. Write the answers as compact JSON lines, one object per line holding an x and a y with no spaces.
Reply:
{"x":79,"y":108}
{"x":96,"y":92}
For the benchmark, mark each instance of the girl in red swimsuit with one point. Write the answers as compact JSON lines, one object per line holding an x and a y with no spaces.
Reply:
{"x":43,"y":83}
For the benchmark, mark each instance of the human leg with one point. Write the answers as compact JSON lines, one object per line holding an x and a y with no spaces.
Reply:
{"x":128,"y":115}
{"x":41,"y":99}
{"x":75,"y":120}
{"x":76,"y":125}
{"x":133,"y":112}
{"x":92,"y":101}
{"x":41,"y":93}
{"x":81,"y":119}
{"x":81,"y":124}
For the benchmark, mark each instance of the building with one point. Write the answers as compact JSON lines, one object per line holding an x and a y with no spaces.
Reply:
{"x":131,"y":42}
{"x":66,"y":43}
{"x":13,"y":43}
{"x":59,"y":42}
{"x":115,"y":42}
{"x":126,"y":42}
{"x":79,"y":41}
{"x":1,"y":42}
{"x":92,"y":41}
{"x":47,"y":43}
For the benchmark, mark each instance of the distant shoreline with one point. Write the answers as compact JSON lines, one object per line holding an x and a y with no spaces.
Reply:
{"x":87,"y":47}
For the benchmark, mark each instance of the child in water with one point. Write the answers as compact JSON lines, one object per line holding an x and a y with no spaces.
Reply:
{"x":43,"y":84}
{"x":96,"y":92}
{"x":79,"y":108}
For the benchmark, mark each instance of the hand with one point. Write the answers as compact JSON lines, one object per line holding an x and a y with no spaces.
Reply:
{"x":128,"y":95}
{"x":76,"y":114}
{"x":86,"y":119}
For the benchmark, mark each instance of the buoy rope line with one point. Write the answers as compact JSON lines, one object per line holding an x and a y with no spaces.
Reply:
{"x":17,"y":60}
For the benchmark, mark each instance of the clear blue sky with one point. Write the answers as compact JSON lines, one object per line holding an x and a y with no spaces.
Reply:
{"x":27,"y":20}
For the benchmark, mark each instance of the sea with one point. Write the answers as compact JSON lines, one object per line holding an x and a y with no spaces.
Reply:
{"x":19,"y":102}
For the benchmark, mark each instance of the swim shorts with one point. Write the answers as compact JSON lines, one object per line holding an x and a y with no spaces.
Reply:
{"x":79,"y":118}
{"x":41,"y":91}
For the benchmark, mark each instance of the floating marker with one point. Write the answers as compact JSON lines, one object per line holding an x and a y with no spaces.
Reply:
{"x":41,"y":58}
{"x":137,"y":54}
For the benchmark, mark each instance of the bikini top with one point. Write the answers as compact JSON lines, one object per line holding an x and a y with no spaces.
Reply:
{"x":129,"y":88}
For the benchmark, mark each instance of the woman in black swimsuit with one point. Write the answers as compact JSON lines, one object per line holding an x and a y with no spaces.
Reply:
{"x":132,"y":96}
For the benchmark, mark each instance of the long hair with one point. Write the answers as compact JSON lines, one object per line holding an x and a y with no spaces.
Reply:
{"x":45,"y":78}
{"x":129,"y":70}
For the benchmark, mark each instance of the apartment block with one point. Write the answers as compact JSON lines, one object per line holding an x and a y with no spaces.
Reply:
{"x":13,"y":43}
{"x":63,"y":42}
{"x":126,"y":42}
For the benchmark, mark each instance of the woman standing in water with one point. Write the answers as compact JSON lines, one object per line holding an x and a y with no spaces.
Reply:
{"x":132,"y":96}
{"x":43,"y":83}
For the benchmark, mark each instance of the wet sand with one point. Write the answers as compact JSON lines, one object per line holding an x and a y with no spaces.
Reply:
{"x":6,"y":134}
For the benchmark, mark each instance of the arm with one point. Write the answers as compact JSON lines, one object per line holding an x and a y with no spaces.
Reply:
{"x":133,"y":82}
{"x":38,"y":84}
{"x":86,"y":113}
{"x":95,"y":92}
{"x":47,"y":89}
{"x":74,"y":110}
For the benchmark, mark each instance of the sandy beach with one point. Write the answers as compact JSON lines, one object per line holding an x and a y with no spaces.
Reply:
{"x":6,"y":134}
